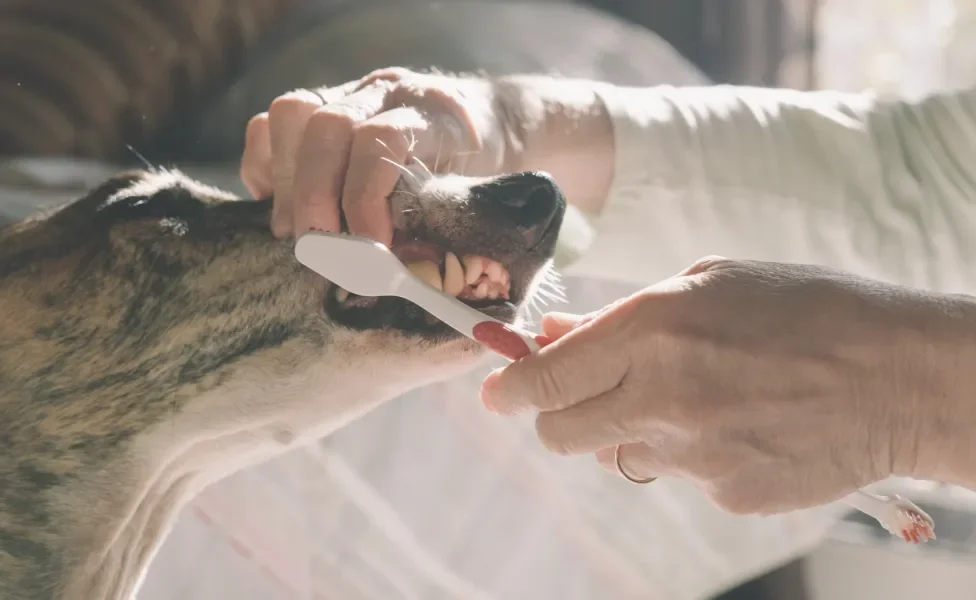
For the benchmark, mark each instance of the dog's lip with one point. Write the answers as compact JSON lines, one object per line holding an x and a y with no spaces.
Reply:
{"x":417,"y":250}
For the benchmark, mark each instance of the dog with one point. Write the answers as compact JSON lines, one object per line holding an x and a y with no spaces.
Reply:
{"x":156,"y":338}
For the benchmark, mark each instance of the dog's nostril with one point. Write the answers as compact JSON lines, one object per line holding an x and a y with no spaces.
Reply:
{"x":529,"y":199}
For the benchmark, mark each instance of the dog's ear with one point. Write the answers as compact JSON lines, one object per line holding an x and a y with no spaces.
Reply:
{"x":54,"y":234}
{"x":99,"y":196}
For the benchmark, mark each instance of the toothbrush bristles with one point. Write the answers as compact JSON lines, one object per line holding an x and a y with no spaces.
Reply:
{"x":920,"y":530}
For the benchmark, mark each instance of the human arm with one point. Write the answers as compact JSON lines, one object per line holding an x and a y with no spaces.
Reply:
{"x":881,"y":187}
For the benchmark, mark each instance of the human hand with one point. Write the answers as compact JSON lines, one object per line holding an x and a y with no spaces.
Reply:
{"x":315,"y":151}
{"x":773,"y":387}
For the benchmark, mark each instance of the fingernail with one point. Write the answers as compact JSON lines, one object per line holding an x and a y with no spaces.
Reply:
{"x":563,"y":318}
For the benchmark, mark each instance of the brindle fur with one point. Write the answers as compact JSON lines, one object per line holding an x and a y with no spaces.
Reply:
{"x":155,"y":338}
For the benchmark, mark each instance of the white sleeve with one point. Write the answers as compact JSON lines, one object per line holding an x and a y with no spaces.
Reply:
{"x":882,"y":188}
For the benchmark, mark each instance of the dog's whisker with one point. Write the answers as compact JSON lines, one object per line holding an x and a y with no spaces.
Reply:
{"x":405,"y":170}
{"x":412,"y":142}
{"x":397,"y":163}
{"x":393,"y":154}
{"x":149,"y":166}
{"x":440,"y":146}
{"x":417,"y":160}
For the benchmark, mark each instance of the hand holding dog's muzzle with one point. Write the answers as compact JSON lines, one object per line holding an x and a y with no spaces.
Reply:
{"x":331,"y":151}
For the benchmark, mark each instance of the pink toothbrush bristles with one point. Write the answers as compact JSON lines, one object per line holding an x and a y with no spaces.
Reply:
{"x":896,"y":514}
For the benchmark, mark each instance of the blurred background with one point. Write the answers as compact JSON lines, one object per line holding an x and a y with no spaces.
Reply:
{"x":428,"y":497}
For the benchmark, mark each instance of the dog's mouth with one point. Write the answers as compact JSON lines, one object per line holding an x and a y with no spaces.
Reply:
{"x":490,"y":259}
{"x":480,"y":281}
{"x":470,"y":278}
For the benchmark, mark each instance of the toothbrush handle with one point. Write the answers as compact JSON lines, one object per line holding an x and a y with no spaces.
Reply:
{"x":502,"y":338}
{"x":506,"y":340}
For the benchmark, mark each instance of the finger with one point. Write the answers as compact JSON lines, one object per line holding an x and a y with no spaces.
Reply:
{"x":606,"y":420}
{"x":288,"y":116}
{"x":637,"y":460}
{"x":379,"y":151}
{"x":556,"y":324}
{"x":256,"y":160}
{"x":325,"y":154}
{"x":586,"y":362}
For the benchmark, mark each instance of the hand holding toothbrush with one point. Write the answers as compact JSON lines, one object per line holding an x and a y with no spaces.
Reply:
{"x":772,"y":387}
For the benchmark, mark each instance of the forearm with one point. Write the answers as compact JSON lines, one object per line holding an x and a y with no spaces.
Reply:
{"x":670,"y":174}
{"x":943,"y":363}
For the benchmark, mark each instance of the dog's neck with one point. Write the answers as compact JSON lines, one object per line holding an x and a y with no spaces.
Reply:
{"x":178,"y":314}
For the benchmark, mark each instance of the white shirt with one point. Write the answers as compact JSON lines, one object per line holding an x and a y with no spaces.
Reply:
{"x":882,"y":188}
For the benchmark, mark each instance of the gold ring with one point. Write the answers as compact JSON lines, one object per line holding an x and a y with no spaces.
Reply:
{"x":620,"y":469}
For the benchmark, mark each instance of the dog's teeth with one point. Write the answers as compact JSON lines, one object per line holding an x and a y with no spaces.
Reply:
{"x":341,"y":295}
{"x":474,"y":266}
{"x":493,"y":293}
{"x":482,"y":290}
{"x":428,"y":272}
{"x":494,"y":271}
{"x":453,"y":275}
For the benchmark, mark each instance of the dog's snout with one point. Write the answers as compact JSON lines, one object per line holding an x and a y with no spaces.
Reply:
{"x":529,"y":200}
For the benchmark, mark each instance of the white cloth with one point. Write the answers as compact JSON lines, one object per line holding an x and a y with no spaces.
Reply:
{"x":881,"y":188}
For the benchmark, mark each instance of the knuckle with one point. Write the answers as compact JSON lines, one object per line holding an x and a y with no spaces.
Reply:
{"x":549,"y":388}
{"x":387,"y":132}
{"x":291,"y":102}
{"x":380,"y":138}
{"x":389,"y":74}
{"x":331,"y":118}
{"x":256,"y":126}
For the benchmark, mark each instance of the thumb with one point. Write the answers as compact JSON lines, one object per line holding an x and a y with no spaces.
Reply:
{"x":556,"y":324}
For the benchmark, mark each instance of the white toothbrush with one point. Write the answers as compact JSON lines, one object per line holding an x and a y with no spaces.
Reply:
{"x":896,"y":514}
{"x":368,"y":268}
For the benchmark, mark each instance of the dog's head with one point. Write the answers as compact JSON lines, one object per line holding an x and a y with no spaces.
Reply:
{"x":157,"y":265}
{"x":156,"y":326}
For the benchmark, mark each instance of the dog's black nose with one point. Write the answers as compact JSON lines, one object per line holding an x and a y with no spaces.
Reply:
{"x":528,"y":200}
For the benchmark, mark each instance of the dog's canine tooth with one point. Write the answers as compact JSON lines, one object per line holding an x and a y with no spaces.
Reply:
{"x":494,"y":270}
{"x":453,"y":275}
{"x":341,"y":294}
{"x":428,"y":272}
{"x":474,"y":266}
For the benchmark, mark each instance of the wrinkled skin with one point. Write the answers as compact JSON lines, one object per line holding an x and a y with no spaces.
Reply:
{"x":773,"y":387}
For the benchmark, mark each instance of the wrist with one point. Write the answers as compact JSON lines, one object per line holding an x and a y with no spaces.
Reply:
{"x":944,"y":444}
{"x":560,"y":126}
